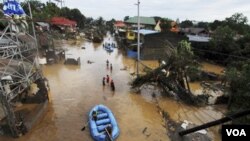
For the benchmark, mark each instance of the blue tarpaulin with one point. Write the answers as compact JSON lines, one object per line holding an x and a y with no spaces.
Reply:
{"x":12,"y":7}
{"x":131,"y":54}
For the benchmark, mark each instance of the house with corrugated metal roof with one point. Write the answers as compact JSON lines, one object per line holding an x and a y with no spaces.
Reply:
{"x":199,"y":37}
{"x":195,"y":31}
{"x":159,"y":45}
{"x":154,"y":45}
{"x":63,"y":24}
{"x":145,"y":22}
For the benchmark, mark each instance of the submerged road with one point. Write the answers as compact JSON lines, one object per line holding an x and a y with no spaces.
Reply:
{"x":74,"y":90}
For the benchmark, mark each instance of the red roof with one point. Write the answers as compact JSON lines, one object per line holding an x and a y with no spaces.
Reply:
{"x":62,"y":21}
{"x":119,"y":24}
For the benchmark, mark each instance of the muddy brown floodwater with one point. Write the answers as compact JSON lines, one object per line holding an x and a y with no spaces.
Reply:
{"x":74,"y":90}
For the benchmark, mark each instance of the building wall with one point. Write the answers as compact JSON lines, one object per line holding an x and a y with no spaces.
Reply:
{"x":155,"y":53}
{"x":2,"y":115}
{"x":160,"y":45}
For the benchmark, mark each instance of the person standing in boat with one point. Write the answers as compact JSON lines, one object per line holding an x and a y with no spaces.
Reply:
{"x":94,"y":115}
{"x":109,"y":133}
{"x":112,"y":85}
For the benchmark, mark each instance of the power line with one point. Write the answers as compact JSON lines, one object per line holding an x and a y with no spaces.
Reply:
{"x":215,"y":52}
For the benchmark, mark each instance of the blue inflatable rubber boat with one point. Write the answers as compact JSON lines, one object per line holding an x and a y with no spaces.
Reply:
{"x":108,"y":47}
{"x":99,"y":124}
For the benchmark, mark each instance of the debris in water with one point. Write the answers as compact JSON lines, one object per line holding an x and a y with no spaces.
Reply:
{"x":124,"y":68}
{"x":90,"y":62}
{"x":144,"y":130}
{"x":153,"y":95}
{"x":184,"y":124}
{"x":105,"y":98}
{"x":148,"y":135}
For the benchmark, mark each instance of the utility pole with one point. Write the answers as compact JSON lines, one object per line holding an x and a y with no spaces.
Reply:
{"x":33,"y":26}
{"x":34,"y":32}
{"x":138,"y":37}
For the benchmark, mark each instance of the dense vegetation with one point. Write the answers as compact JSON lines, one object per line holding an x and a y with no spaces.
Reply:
{"x":239,"y":80}
{"x":230,"y":40}
{"x":45,"y":11}
{"x":230,"y":46}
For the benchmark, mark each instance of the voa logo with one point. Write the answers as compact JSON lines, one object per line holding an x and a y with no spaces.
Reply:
{"x":236,"y":132}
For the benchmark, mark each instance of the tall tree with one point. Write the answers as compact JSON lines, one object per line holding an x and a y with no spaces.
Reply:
{"x":165,"y":24}
{"x":223,"y":42}
{"x":238,"y":22}
{"x":237,"y":18}
{"x":239,"y":80}
{"x":184,"y":63}
{"x":126,"y":18}
{"x":76,"y":15}
{"x":186,"y":24}
{"x":203,"y":25}
{"x":157,"y":18}
{"x":213,"y":26}
{"x":110,"y":25}
{"x":89,"y":21}
{"x":99,"y":21}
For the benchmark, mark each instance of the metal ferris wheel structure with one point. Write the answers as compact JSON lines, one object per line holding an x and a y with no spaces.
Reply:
{"x":19,"y":66}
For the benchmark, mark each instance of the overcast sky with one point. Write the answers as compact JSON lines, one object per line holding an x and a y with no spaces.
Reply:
{"x":199,"y":10}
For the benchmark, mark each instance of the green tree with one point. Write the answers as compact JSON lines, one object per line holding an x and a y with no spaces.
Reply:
{"x":237,"y":18}
{"x":110,"y":25}
{"x":184,"y":63}
{"x":184,"y":55}
{"x":65,"y":12}
{"x":203,"y":25}
{"x":157,"y":18}
{"x":186,"y":24}
{"x":37,"y":9}
{"x":244,"y":44}
{"x":126,"y":18}
{"x":73,"y":14}
{"x":77,"y":16}
{"x":213,"y":26}
{"x":223,"y":43}
{"x":99,"y":21}
{"x":238,"y":22}
{"x":239,"y":81}
{"x":165,"y":24}
{"x":89,"y":21}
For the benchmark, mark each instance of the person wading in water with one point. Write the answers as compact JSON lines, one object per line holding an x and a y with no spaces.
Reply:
{"x":103,"y":81}
{"x":111,"y":67}
{"x":112,"y":85}
{"x":107,"y":79}
{"x":107,"y":63}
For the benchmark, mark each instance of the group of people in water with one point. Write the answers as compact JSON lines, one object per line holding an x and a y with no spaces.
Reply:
{"x":107,"y":80}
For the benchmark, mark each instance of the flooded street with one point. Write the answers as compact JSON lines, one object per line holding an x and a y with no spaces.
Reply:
{"x":74,"y":90}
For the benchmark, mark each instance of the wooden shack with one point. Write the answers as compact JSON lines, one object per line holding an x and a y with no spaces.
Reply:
{"x":159,"y":45}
